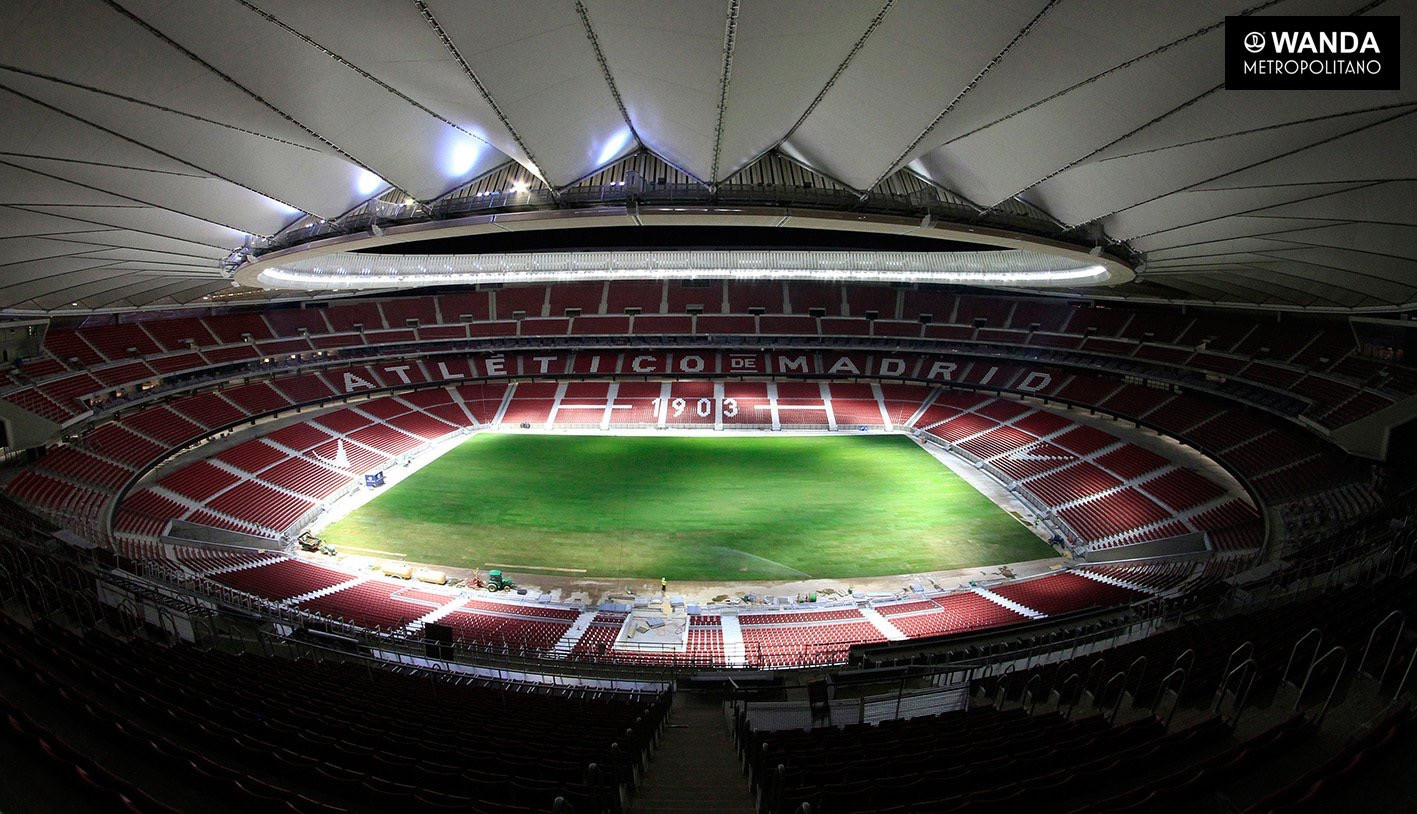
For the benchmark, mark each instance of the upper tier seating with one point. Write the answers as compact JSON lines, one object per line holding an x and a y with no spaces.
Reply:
{"x":1318,"y":363}
{"x":1278,"y":473}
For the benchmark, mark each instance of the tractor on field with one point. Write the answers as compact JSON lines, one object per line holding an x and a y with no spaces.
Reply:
{"x":497,"y":582}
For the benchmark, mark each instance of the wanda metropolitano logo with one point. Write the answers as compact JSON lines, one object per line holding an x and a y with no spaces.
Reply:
{"x":1312,"y":53}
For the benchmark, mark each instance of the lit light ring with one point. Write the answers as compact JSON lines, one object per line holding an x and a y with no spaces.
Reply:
{"x":347,"y":270}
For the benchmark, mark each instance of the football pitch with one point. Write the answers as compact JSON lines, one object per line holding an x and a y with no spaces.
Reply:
{"x":689,"y":508}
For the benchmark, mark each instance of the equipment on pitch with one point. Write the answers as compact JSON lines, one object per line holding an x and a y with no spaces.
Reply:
{"x":497,"y":582}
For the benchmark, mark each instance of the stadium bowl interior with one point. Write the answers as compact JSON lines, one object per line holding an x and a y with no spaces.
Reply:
{"x":700,"y":406}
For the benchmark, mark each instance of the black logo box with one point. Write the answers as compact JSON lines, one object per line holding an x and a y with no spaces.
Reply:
{"x":1240,"y":32}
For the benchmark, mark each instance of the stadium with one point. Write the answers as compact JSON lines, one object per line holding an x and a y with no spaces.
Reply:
{"x":605,"y":406}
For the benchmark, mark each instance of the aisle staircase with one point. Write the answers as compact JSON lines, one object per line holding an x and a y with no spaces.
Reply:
{"x":695,"y":769}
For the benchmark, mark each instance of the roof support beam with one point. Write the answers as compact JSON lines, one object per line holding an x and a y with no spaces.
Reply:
{"x":584,"y":14}
{"x":730,"y":35}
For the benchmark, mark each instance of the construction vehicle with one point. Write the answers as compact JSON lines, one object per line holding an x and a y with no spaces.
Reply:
{"x":497,"y":582}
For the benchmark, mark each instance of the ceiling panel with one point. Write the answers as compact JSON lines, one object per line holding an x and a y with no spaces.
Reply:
{"x":1074,"y":42}
{"x":210,"y":199}
{"x":35,"y":128}
{"x":291,"y":177}
{"x":1238,"y":251}
{"x":128,"y":239}
{"x":22,"y":186}
{"x":666,"y":59}
{"x":19,"y":223}
{"x":148,"y":221}
{"x":100,"y":289}
{"x":1382,"y":202}
{"x":408,"y":56}
{"x":786,"y":52}
{"x":1004,"y":159}
{"x":90,"y":42}
{"x":539,"y":68}
{"x":160,"y":292}
{"x":1100,"y":187}
{"x":380,"y":130}
{"x":20,"y":250}
{"x":149,"y":259}
{"x":1203,"y":205}
{"x":902,"y":78}
{"x":1379,"y":152}
{"x":1201,"y":237}
{"x":57,"y":277}
{"x":153,"y":138}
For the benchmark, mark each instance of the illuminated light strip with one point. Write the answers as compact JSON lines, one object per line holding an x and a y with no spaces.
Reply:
{"x":345,"y":271}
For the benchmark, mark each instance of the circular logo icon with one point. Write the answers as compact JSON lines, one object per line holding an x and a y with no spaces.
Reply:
{"x":1254,"y":42}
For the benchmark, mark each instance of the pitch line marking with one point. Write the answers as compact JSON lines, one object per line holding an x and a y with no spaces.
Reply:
{"x":374,"y":551}
{"x":533,"y":567}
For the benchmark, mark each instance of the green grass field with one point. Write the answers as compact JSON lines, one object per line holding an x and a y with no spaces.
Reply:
{"x":689,"y":508}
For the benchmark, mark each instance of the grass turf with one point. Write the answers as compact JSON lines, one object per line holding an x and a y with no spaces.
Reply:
{"x":690,"y":508}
